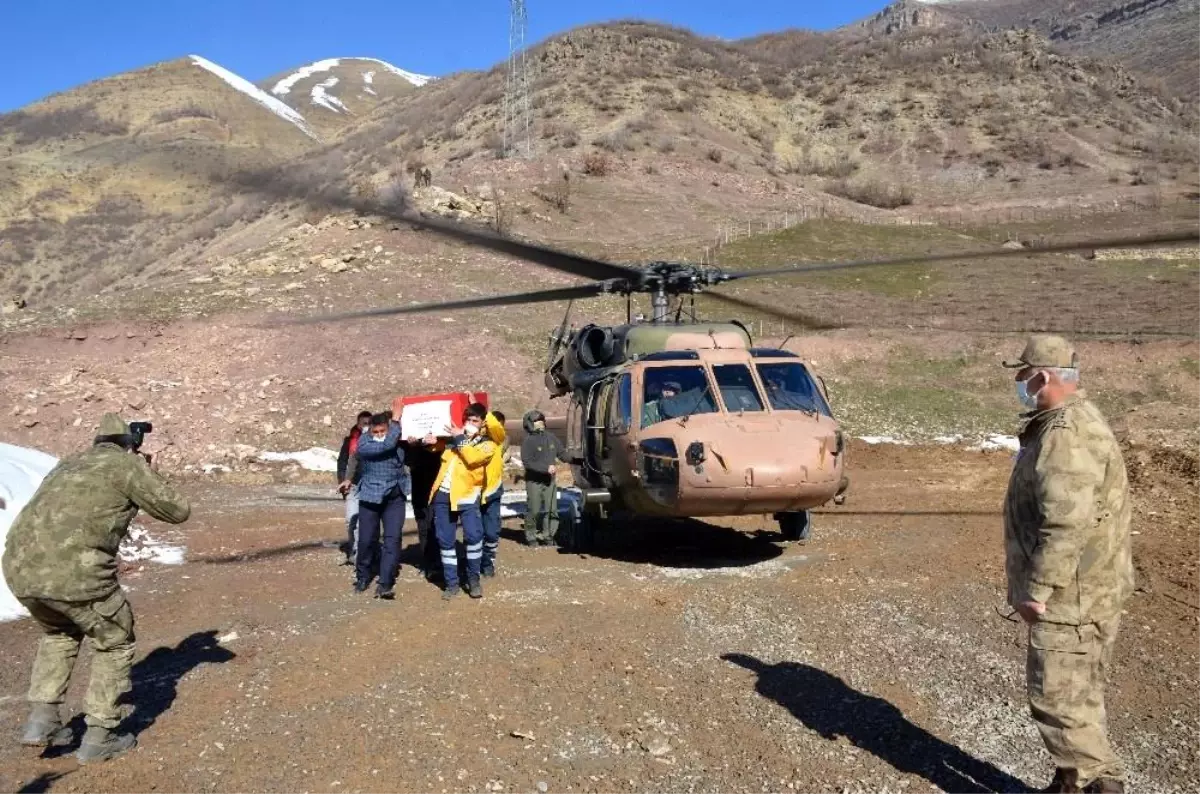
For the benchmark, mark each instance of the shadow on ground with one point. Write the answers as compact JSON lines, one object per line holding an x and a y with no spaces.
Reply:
{"x":832,"y":708}
{"x":156,"y":678}
{"x":672,"y":543}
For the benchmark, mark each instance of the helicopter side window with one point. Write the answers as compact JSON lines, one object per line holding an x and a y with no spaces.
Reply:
{"x":791,"y":388}
{"x":737,"y":388}
{"x":675,"y":392}
{"x":621,"y":409}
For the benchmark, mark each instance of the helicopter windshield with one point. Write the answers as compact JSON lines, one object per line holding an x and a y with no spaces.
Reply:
{"x":675,"y":392}
{"x":737,"y":388}
{"x":791,"y":388}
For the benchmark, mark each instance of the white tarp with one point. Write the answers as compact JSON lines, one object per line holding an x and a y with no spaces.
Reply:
{"x":21,"y":472}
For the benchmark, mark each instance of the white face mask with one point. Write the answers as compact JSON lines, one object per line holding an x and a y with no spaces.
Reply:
{"x":378,"y":438}
{"x":471,"y":430}
{"x":1029,"y":400}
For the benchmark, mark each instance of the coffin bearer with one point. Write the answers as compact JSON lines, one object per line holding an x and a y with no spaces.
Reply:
{"x":1068,"y":560}
{"x":60,"y":561}
{"x":349,"y":447}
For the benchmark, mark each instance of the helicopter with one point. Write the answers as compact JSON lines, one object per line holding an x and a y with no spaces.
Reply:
{"x":673,"y":416}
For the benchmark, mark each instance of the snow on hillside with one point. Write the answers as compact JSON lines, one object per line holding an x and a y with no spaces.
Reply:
{"x":322,"y":97}
{"x":285,"y":85}
{"x":257,"y":94}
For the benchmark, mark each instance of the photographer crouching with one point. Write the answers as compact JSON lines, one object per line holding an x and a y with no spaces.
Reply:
{"x":60,"y":562}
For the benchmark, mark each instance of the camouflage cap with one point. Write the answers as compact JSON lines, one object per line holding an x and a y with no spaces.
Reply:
{"x":112,"y":425}
{"x":1046,"y":350}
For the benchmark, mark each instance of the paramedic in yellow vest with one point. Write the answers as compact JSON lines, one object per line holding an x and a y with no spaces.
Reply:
{"x":493,"y":490}
{"x":456,"y":496}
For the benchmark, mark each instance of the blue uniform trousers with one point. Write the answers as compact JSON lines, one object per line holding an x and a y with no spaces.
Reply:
{"x":445,"y":523}
{"x":491,"y":530}
{"x":390,"y":514}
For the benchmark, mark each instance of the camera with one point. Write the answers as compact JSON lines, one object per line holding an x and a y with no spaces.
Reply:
{"x":138,"y":431}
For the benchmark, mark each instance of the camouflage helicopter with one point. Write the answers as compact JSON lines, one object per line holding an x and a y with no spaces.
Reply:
{"x":673,"y":416}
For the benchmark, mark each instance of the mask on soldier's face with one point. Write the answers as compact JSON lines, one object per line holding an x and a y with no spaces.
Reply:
{"x":539,"y":425}
{"x":1029,"y":400}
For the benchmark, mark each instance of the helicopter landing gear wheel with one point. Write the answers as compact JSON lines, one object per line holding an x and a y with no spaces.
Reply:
{"x":795,"y":526}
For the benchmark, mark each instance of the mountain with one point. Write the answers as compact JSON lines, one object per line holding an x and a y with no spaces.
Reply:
{"x":119,"y":180}
{"x":333,"y":92}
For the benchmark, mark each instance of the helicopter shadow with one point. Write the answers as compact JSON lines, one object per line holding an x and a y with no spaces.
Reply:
{"x":685,"y":543}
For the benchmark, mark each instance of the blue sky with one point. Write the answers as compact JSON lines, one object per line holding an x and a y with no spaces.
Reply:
{"x":52,"y":45}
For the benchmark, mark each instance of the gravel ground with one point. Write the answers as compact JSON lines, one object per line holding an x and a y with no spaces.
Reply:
{"x":696,"y":658}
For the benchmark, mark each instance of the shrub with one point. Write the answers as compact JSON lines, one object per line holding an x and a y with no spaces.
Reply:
{"x":715,"y":154}
{"x":872,"y":193}
{"x":596,"y":164}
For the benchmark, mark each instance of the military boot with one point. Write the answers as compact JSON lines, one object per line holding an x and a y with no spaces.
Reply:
{"x":45,"y":727}
{"x":1064,"y":782}
{"x":101,"y":744}
{"x":1105,"y":785}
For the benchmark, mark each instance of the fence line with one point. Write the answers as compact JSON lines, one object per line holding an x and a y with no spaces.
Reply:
{"x":983,"y":221}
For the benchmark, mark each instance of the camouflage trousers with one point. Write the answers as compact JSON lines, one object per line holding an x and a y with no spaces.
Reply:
{"x":1065,"y":674}
{"x":108,"y":624}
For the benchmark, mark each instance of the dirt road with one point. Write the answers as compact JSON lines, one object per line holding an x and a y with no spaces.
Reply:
{"x":702,"y":659}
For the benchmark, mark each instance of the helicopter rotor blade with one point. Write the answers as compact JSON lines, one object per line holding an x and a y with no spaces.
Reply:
{"x":798,"y":318}
{"x":558,"y":336}
{"x":400,"y":208}
{"x":997,"y":253}
{"x":514,"y":299}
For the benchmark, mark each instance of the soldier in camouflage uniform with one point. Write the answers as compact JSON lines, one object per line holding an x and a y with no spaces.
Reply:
{"x":1068,"y":561}
{"x":60,"y":561}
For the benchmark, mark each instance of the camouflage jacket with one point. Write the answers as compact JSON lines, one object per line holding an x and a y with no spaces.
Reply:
{"x":63,"y":545}
{"x":1066,"y":517}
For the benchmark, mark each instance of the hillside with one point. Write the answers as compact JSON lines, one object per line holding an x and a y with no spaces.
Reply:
{"x":335,"y":92}
{"x":1152,"y":37}
{"x":924,"y":117}
{"x":647,"y":139}
{"x":94,"y":185}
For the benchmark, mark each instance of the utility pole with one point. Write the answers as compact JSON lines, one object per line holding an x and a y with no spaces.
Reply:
{"x":518,"y":118}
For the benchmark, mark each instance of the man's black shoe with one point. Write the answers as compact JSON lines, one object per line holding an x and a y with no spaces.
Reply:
{"x":386,"y":593}
{"x":361,"y":586}
{"x":475,"y":590}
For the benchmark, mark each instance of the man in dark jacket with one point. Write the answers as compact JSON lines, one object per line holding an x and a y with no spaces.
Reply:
{"x":60,"y":561}
{"x":539,"y":451}
{"x":349,"y":446}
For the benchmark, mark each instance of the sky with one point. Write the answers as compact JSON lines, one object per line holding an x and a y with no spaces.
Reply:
{"x":53,"y":45}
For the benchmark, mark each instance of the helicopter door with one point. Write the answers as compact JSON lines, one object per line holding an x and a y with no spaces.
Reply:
{"x":595,"y":435}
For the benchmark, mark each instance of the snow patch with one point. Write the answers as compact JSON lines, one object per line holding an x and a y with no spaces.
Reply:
{"x":995,"y":441}
{"x":368,"y":83}
{"x":322,"y":97}
{"x":140,"y":546}
{"x":884,"y":440}
{"x":989,"y":443}
{"x":21,"y":472}
{"x":257,"y":94}
{"x":285,"y":85}
{"x":311,"y":459}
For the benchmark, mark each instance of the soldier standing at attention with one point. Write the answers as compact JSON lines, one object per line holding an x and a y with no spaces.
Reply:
{"x":1068,"y":561}
{"x":539,"y":450}
{"x":60,"y":562}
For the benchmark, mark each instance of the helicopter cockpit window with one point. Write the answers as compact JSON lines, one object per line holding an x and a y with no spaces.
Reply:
{"x":791,"y":388}
{"x":622,"y":407}
{"x":737,"y":388}
{"x":675,"y":392}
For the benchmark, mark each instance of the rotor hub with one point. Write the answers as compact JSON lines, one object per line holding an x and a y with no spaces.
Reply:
{"x":674,"y":278}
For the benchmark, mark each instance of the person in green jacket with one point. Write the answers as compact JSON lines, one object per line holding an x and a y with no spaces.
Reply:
{"x":60,"y":562}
